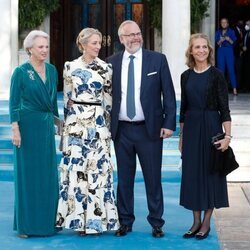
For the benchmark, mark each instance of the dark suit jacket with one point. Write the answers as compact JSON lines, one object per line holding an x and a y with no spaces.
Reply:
{"x":216,"y":94}
{"x":238,"y":42}
{"x":157,"y":93}
{"x":247,"y":44}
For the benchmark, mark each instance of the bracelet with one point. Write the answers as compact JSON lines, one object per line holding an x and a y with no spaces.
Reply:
{"x":228,"y":137}
{"x":180,"y":133}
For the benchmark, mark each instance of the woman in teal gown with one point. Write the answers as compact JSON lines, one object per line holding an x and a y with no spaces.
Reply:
{"x":33,"y":105}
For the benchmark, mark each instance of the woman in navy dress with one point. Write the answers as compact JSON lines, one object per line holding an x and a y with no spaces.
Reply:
{"x":204,"y":113}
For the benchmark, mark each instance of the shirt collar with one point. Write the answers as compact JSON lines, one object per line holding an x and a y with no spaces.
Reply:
{"x":137,"y":54}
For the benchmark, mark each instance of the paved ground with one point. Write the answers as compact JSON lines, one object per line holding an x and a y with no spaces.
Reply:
{"x":233,"y":223}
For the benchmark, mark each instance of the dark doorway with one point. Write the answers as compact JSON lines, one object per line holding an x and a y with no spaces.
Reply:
{"x":104,"y":15}
{"x":234,"y":10}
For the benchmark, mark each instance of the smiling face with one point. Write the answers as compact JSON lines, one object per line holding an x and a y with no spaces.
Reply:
{"x":131,"y":37}
{"x":40,"y":49}
{"x":92,"y":47}
{"x":200,"y":50}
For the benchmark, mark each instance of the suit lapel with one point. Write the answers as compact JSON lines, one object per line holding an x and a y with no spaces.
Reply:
{"x":145,"y":65}
{"x":119,"y":74}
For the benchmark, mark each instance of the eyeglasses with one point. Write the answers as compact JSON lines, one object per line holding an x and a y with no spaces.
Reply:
{"x":133,"y":35}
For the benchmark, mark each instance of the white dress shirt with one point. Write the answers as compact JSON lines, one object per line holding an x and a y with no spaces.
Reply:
{"x":139,"y":115}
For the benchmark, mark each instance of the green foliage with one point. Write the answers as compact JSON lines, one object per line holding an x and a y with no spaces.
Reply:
{"x":198,"y":12}
{"x":33,"y":12}
{"x":155,"y":13}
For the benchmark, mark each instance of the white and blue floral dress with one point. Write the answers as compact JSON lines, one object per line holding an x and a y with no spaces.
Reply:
{"x":86,"y":195}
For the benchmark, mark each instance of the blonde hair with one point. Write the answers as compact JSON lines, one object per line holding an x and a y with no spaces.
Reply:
{"x":84,"y":35}
{"x":30,"y":38}
{"x":190,"y":62}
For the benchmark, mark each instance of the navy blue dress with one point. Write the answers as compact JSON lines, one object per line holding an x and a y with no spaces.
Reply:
{"x":201,"y":188}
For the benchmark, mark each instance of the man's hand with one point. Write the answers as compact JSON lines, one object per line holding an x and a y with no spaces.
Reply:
{"x":166,"y":133}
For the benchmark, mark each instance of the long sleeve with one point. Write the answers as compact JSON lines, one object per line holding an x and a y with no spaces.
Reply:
{"x":217,"y":36}
{"x":107,"y":94}
{"x":169,"y":102}
{"x":67,"y":87}
{"x":222,"y":95}
{"x":232,"y":35}
{"x":15,"y":95}
{"x":55,"y":107}
{"x":183,"y":99}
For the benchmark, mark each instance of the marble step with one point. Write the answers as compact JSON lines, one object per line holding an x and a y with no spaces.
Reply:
{"x":5,"y":143}
{"x":6,"y":157}
{"x":169,"y":174}
{"x":168,"y":144}
{"x":5,"y":130}
{"x":4,"y":118}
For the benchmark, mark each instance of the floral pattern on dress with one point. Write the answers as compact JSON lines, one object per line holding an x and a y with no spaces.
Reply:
{"x":86,"y":195}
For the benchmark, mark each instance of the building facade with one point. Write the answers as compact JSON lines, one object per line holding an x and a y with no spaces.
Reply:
{"x":173,"y":43}
{"x":64,"y":25}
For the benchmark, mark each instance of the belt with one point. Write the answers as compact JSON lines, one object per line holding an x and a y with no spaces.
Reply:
{"x":87,"y":103}
{"x":134,"y":122}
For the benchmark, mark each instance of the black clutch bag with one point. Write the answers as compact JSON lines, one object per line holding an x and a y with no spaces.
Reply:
{"x":216,"y":138}
{"x":222,"y":162}
{"x":229,"y":162}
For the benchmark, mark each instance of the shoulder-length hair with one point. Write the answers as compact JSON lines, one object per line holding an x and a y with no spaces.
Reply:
{"x":190,"y":62}
{"x":30,"y":38}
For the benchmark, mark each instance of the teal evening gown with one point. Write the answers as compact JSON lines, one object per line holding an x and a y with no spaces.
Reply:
{"x":33,"y":104}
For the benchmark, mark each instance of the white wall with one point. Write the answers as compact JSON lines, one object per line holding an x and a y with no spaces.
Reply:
{"x":8,"y":44}
{"x":208,"y":23}
{"x":175,"y":36}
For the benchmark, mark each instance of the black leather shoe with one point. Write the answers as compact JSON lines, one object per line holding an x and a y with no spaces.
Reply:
{"x":190,"y":234}
{"x":157,"y":232}
{"x":123,"y":230}
{"x":201,"y":235}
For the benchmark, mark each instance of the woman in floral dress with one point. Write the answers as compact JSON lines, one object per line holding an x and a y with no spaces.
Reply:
{"x":86,"y":196}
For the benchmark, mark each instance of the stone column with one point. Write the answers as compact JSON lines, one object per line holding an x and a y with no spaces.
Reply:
{"x":8,"y":44}
{"x":208,"y":23}
{"x":175,"y":36}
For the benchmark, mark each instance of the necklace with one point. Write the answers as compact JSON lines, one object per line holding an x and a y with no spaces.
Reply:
{"x":86,"y":61}
{"x":41,"y":71}
{"x":203,"y":70}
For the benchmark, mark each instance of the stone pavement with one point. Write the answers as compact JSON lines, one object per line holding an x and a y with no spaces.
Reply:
{"x":233,"y":223}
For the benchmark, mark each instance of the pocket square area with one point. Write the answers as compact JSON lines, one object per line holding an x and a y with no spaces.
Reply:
{"x":152,"y":73}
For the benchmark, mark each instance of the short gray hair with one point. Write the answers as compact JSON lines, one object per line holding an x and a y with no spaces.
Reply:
{"x":29,"y":39}
{"x":120,"y":29}
{"x":84,"y":36}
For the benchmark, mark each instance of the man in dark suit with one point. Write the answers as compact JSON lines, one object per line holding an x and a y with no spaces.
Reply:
{"x":246,"y":56}
{"x":238,"y":30}
{"x":140,"y":123}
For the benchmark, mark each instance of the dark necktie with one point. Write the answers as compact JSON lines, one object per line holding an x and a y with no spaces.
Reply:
{"x":131,"y":89}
